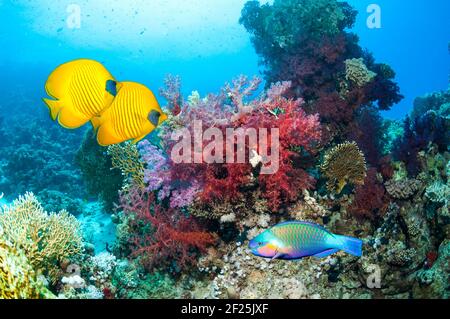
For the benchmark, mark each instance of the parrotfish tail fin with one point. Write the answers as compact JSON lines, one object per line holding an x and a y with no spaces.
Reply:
{"x":54,"y":106}
{"x":351,"y":245}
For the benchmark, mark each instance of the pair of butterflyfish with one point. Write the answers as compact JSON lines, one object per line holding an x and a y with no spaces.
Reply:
{"x":84,"y":91}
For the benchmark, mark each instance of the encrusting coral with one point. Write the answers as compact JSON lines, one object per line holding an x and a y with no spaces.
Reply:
{"x":46,"y":238}
{"x":344,"y":164}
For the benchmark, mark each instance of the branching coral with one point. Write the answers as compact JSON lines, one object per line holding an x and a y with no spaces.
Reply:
{"x":342,"y":165}
{"x":46,"y":239}
{"x":18,"y":280}
{"x":126,"y":157}
{"x":438,"y":192}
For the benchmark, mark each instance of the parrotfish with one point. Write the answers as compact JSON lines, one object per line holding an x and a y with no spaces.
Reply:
{"x":297,"y":239}
{"x":84,"y":90}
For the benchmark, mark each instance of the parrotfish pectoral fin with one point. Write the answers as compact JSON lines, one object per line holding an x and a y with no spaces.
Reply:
{"x":326,"y":253}
{"x":54,"y":106}
{"x":351,"y":245}
{"x":277,"y":256}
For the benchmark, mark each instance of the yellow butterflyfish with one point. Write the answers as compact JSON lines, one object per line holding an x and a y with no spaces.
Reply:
{"x":134,"y":113}
{"x":80,"y":90}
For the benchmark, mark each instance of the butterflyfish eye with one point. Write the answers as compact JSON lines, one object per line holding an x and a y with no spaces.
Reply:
{"x":111,"y":87}
{"x":153,"y":117}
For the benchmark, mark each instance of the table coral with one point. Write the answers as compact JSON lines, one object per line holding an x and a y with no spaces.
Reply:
{"x":344,"y":164}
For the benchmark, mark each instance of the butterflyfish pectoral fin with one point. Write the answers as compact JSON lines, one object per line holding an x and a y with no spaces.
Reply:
{"x":326,"y":253}
{"x":96,"y":122}
{"x":105,"y":137}
{"x":54,"y":107}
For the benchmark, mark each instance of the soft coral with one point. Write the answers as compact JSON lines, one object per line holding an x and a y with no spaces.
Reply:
{"x":164,"y":235}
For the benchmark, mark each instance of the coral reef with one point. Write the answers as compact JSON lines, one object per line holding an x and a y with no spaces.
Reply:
{"x":344,"y":164}
{"x":307,"y":42}
{"x":149,"y":225}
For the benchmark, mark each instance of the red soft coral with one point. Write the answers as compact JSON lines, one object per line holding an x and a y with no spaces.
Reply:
{"x":299,"y":132}
{"x":370,"y":198}
{"x":163,"y":235}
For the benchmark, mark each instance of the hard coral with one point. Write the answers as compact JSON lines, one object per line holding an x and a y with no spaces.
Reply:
{"x":342,"y":165}
{"x":402,"y":189}
{"x":357,"y":73}
{"x":46,"y":239}
{"x":126,"y":157}
{"x":18,"y":279}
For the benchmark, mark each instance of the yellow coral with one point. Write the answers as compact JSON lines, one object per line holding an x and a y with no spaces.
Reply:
{"x":344,"y":164}
{"x":46,"y":239}
{"x":126,"y":157}
{"x":18,"y":280}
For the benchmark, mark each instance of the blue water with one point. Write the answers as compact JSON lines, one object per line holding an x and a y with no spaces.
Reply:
{"x":202,"y":41}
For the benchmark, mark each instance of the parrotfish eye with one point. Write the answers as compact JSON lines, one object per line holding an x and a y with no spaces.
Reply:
{"x":153,"y":117}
